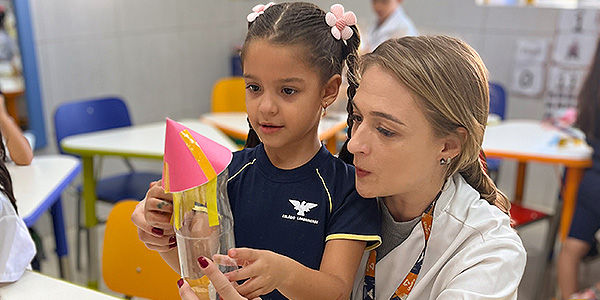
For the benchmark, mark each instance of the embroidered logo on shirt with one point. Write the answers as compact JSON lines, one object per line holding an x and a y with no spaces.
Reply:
{"x":302,"y":207}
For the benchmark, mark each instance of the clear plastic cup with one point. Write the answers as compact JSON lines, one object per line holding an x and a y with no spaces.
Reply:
{"x":196,"y":237}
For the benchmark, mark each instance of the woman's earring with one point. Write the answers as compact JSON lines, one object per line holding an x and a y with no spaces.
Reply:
{"x":445,"y":161}
{"x":324,"y":110}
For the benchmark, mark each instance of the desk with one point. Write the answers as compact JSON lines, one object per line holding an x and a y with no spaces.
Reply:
{"x":38,"y":187}
{"x":525,"y":141}
{"x":34,"y":285}
{"x":142,"y":141}
{"x":234,"y":124}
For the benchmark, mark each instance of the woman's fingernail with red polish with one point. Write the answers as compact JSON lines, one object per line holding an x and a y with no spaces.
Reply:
{"x":172,"y":240}
{"x":180,"y":282}
{"x":173,"y":245}
{"x":203,"y":262}
{"x":157,"y":231}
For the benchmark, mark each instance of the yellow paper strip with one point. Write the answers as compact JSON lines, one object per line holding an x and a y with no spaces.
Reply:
{"x":177,"y":198}
{"x":211,"y":193}
{"x":166,"y":180}
{"x":209,"y":172}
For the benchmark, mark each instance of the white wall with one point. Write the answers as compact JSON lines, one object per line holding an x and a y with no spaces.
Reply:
{"x":162,"y":57}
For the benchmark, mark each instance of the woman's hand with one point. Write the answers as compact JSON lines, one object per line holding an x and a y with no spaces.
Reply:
{"x":219,"y":281}
{"x":152,"y":216}
{"x":264,"y":270}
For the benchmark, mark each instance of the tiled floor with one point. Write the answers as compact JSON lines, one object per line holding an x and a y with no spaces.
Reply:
{"x":532,"y":238}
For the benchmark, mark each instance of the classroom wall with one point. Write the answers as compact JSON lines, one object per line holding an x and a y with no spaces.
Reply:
{"x":163,"y":56}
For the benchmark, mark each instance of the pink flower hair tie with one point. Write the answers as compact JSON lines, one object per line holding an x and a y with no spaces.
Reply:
{"x":258,"y":10}
{"x":340,"y":22}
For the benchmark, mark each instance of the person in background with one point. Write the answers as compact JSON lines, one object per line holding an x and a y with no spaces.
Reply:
{"x":586,"y":220}
{"x":17,"y":249}
{"x":418,"y":121}
{"x":392,"y":22}
{"x":17,"y":146}
{"x":8,"y":48}
{"x":292,"y":61}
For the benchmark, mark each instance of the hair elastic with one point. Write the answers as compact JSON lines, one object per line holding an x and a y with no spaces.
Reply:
{"x":340,"y":22}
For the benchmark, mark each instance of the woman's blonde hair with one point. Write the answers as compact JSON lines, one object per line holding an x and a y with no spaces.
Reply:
{"x":450,"y":83}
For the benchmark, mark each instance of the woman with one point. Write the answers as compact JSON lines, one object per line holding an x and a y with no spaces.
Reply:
{"x":418,"y":120}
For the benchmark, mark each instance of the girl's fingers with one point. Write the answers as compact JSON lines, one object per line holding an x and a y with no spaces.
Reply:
{"x":161,"y":244}
{"x":240,"y":274}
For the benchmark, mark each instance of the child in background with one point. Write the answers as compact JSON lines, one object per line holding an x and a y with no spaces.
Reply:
{"x":293,"y":202}
{"x":586,"y":220}
{"x":16,"y":246}
{"x":19,"y":148}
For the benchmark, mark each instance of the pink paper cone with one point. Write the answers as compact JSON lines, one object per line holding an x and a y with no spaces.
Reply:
{"x":186,"y":167}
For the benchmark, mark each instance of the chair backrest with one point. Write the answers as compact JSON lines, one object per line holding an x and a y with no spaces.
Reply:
{"x":128,"y":267}
{"x":497,"y":100}
{"x":89,"y":115}
{"x":229,"y":94}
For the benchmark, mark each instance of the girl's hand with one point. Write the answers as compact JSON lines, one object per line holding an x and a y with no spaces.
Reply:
{"x":265,"y":271}
{"x":152,"y":216}
{"x":219,"y":281}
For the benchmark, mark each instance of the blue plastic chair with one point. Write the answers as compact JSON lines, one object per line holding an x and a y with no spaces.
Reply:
{"x":498,"y":107}
{"x":94,"y":115}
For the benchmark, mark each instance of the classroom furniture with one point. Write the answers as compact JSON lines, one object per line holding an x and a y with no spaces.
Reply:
{"x":531,"y":141}
{"x":497,"y":107}
{"x":128,"y":266}
{"x":235,"y":125}
{"x":140,"y":141}
{"x":91,"y":115}
{"x":38,"y":187}
{"x":229,"y":94}
{"x":34,"y":285}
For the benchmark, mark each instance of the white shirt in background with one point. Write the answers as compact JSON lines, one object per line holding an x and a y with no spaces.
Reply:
{"x":396,"y":25}
{"x":16,"y":246}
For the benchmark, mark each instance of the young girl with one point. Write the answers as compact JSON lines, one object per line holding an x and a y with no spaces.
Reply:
{"x":289,"y":196}
{"x":16,"y":246}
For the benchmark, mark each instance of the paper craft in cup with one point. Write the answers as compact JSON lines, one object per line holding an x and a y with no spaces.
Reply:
{"x":195,"y":172}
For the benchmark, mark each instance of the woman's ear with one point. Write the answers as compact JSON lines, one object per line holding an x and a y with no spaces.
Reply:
{"x":454,"y":142}
{"x":331,"y":90}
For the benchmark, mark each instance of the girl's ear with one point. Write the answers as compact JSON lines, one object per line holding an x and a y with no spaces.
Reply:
{"x":331,"y":90}
{"x":454,"y":142}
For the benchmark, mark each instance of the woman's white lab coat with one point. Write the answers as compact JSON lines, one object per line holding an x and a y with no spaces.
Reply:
{"x":472,"y":253}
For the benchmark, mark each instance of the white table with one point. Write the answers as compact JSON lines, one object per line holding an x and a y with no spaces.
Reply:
{"x":34,"y":285}
{"x":235,"y":125}
{"x":532,"y":141}
{"x":142,"y":141}
{"x":38,"y":187}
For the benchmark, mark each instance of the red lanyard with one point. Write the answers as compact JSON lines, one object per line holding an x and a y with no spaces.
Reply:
{"x":409,"y":281}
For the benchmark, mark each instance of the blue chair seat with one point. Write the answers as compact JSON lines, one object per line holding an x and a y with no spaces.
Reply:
{"x":126,"y":186}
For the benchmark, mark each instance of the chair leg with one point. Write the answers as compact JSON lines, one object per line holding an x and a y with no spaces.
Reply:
{"x":78,"y":246}
{"x":547,"y":253}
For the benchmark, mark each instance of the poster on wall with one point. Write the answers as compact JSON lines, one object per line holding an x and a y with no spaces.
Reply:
{"x":529,"y":70}
{"x":562,"y":88}
{"x":575,"y":50}
{"x":528,"y":80}
{"x":579,"y":21}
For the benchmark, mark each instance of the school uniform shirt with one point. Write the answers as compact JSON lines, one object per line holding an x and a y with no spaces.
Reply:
{"x":295,"y":212}
{"x":472,"y":252}
{"x":16,"y":246}
{"x":397,"y":25}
